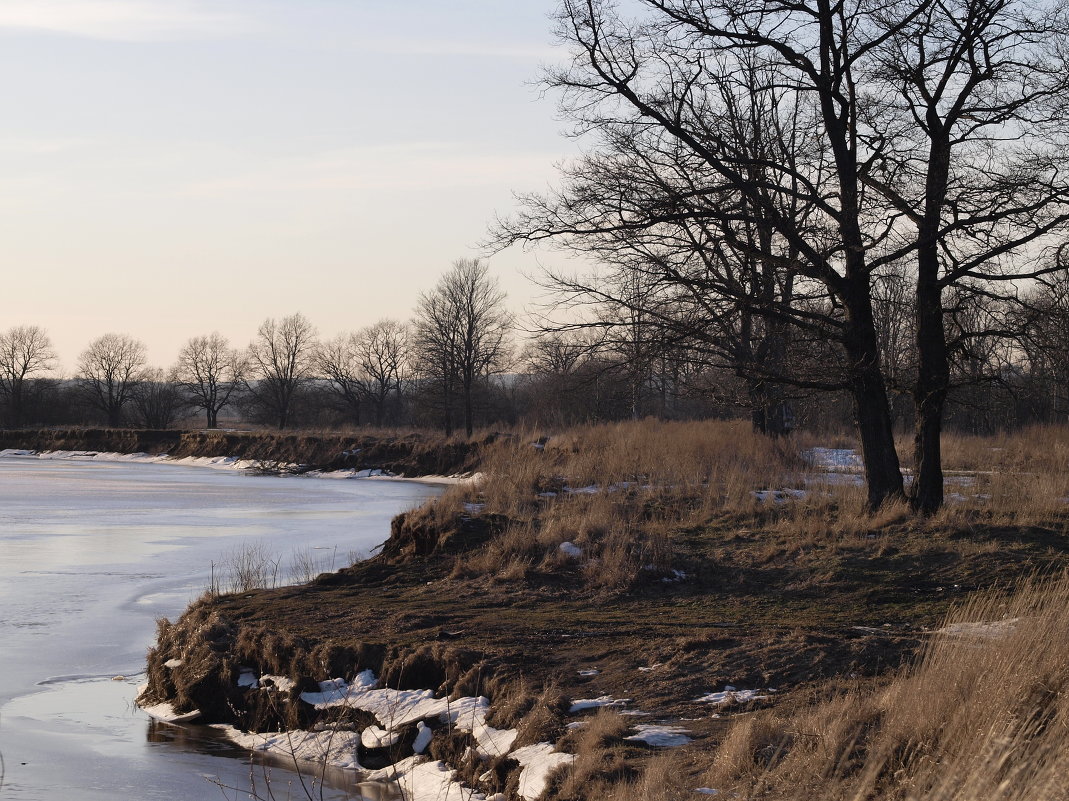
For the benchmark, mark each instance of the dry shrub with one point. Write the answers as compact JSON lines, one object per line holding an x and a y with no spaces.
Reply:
{"x":983,"y":714}
{"x":602,"y":758}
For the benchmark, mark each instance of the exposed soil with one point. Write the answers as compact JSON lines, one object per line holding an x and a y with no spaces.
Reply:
{"x":408,"y":454}
{"x":755,"y":610}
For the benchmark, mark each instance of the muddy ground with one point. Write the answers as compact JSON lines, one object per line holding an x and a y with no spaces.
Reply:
{"x":753,"y":609}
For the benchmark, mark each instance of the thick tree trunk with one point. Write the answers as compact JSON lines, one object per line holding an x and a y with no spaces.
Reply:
{"x":871,"y":407}
{"x":930,"y":392}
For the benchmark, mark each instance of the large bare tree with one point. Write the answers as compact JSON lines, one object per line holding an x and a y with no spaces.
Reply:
{"x":108,"y":372}
{"x":25,"y":353}
{"x":281,"y":360}
{"x":924,"y":132}
{"x":210,"y":372}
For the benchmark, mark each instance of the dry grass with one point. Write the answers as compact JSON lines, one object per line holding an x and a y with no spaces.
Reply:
{"x":616,"y":492}
{"x":619,"y":492}
{"x":983,"y":714}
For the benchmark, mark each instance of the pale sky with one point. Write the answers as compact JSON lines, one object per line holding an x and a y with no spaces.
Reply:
{"x":174,"y":167}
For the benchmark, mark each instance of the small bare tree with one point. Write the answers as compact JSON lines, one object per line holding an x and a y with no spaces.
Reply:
{"x":157,"y":397}
{"x":461,"y":335}
{"x":382,"y":350}
{"x":108,"y":371}
{"x":210,"y":371}
{"x":281,"y":360}
{"x":25,"y":352}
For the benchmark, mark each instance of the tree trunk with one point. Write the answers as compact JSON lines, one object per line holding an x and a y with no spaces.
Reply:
{"x":468,"y":414}
{"x":213,"y":417}
{"x":871,"y":408}
{"x":930,"y":391}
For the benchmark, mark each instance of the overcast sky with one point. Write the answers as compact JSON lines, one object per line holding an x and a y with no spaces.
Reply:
{"x":173,"y":167}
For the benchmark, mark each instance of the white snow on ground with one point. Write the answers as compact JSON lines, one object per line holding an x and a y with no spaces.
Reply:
{"x":660,"y":735}
{"x":167,"y":713}
{"x":419,"y":780}
{"x":706,"y":791}
{"x":336,"y":748}
{"x":780,"y":495}
{"x":247,"y":679}
{"x":990,"y":630}
{"x":590,"y":672}
{"x":539,"y":761}
{"x":580,"y":704}
{"x":423,"y":738}
{"x":396,"y":708}
{"x":833,"y":458}
{"x":376,"y":737}
{"x":281,"y":682}
{"x":732,"y":696}
{"x":570,"y":549}
{"x":231,"y":463}
{"x":172,"y":663}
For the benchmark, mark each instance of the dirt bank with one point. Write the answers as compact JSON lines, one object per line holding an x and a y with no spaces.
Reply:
{"x":634,"y":566}
{"x":411,"y":455}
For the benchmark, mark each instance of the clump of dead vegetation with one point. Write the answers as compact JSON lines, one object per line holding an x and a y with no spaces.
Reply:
{"x":599,"y":503}
{"x":982,"y":714}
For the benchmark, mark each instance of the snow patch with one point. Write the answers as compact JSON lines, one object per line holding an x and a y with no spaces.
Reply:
{"x":570,"y":549}
{"x":594,"y":703}
{"x":166,"y":712}
{"x":539,"y":762}
{"x":336,"y":748}
{"x":833,"y":458}
{"x":730,"y":696}
{"x":660,"y":736}
{"x":396,"y":708}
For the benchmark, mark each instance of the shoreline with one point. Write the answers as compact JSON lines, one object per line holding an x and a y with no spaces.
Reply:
{"x":235,"y":463}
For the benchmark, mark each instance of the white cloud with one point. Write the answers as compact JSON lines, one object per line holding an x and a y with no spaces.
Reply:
{"x":121,"y":20}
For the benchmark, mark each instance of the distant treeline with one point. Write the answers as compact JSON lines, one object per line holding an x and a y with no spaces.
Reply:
{"x":456,"y":366}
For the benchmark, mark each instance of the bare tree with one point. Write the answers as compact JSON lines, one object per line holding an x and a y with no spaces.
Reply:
{"x":460,"y":335}
{"x":158,"y":398}
{"x":367,"y":366}
{"x":210,"y":372}
{"x":108,"y":371}
{"x":931,"y":135}
{"x":1044,"y":338}
{"x":25,"y":352}
{"x":382,"y":350}
{"x":281,"y":360}
{"x":338,"y":360}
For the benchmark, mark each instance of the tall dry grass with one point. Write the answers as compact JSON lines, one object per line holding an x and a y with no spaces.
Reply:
{"x":984,"y":714}
{"x":615,"y":492}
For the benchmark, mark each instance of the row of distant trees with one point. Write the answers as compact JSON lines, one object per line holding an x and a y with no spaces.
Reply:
{"x":438,"y":367}
{"x":456,"y":365}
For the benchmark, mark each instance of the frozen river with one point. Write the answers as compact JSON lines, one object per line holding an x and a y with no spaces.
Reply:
{"x":91,"y":553}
